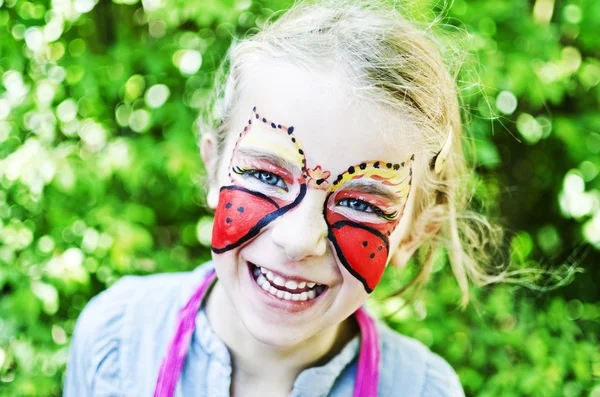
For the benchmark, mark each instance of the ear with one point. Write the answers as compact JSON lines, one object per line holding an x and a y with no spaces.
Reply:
{"x":409,"y":245}
{"x":209,"y":154}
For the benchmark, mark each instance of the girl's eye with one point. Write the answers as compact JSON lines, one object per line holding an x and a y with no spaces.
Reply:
{"x":267,"y":178}
{"x":357,"y":205}
{"x":363,"y":206}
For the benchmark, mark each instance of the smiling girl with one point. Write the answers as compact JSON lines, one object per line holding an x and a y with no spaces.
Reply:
{"x":333,"y":148}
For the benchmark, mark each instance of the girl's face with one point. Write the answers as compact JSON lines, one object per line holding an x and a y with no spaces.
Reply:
{"x":312,"y":202}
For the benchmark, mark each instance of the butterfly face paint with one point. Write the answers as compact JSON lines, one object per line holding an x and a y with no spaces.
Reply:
{"x":269,"y":177}
{"x":362,"y":209}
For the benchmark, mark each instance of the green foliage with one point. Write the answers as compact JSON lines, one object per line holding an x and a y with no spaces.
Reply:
{"x":100,"y":176}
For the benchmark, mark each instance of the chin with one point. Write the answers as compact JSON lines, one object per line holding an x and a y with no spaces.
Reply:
{"x":276,"y":335}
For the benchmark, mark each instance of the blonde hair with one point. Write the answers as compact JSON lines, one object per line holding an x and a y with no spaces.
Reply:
{"x":399,"y":66}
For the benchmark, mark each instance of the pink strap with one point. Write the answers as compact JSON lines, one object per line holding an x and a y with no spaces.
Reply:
{"x":172,"y":363}
{"x":367,"y":374}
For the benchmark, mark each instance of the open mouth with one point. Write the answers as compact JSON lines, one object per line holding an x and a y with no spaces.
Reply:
{"x":278,"y":286}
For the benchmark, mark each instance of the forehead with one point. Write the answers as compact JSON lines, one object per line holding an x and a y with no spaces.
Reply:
{"x":335,"y":127}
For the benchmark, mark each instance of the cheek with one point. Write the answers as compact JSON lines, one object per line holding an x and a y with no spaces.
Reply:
{"x":363,"y":248}
{"x":352,"y":294}
{"x":363,"y":251}
{"x":238,"y":217}
{"x":227,"y":272}
{"x":223,"y":265}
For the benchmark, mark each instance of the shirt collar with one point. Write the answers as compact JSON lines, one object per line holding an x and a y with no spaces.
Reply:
{"x":318,"y":381}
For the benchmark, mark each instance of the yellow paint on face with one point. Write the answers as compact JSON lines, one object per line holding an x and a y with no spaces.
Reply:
{"x":396,"y":177}
{"x":263,"y":137}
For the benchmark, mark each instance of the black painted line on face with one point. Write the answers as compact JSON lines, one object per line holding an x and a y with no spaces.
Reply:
{"x":254,"y":230}
{"x":345,"y":263}
{"x":274,"y":125}
{"x":340,"y":224}
{"x":350,"y":170}
{"x":376,"y":164}
{"x":252,"y":192}
{"x":338,"y":249}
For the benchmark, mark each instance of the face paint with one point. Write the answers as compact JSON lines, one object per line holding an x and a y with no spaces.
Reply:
{"x":317,"y":178}
{"x":362,"y":209}
{"x":268,"y":178}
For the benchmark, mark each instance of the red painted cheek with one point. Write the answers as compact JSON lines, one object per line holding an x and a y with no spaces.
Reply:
{"x":237,"y":215}
{"x":385,"y":228}
{"x":361,"y":247}
{"x":241,"y":214}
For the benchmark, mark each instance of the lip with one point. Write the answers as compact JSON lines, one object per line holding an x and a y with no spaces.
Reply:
{"x":274,"y":302}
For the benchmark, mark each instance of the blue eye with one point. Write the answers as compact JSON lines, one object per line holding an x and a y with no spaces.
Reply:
{"x":363,"y":206}
{"x":357,"y":205}
{"x":268,"y":178}
{"x":265,"y":177}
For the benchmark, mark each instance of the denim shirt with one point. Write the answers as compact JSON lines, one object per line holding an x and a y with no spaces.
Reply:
{"x":123,"y":333}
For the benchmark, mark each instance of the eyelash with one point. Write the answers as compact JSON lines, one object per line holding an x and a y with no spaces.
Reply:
{"x":370,"y":208}
{"x":257,"y":174}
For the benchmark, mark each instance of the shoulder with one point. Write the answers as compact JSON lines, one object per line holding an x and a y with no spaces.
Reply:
{"x":441,"y":379}
{"x":144,"y":296}
{"x":408,"y":365}
{"x":115,"y":324}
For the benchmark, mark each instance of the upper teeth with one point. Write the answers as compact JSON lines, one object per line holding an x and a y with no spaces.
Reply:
{"x":266,"y":279}
{"x":280,"y":281}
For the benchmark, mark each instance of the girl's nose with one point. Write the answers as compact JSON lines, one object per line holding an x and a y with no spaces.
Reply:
{"x":302,"y":232}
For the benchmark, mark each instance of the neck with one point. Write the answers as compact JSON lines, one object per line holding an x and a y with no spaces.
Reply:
{"x":258,"y":361}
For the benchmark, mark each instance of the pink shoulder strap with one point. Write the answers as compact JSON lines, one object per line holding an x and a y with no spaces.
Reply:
{"x":367,"y":373}
{"x":172,"y":362}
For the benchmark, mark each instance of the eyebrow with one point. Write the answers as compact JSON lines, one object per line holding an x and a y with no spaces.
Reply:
{"x":267,"y":156}
{"x":374,"y":188}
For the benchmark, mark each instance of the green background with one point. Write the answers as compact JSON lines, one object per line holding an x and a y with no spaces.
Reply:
{"x":100,"y":176}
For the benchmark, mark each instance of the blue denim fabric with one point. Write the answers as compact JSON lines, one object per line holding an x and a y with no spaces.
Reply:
{"x":122,"y":335}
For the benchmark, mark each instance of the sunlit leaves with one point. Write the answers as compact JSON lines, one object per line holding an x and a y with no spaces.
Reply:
{"x":100,"y":174}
